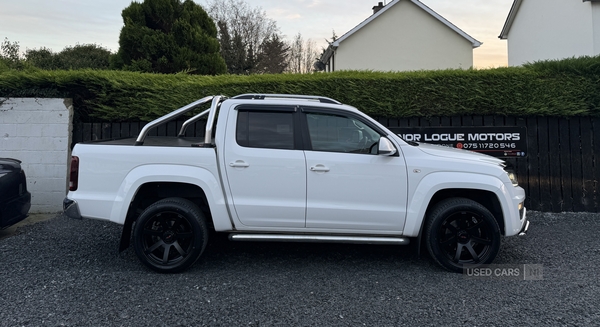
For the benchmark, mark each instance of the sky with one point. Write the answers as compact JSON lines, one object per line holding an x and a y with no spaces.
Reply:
{"x":56,"y":24}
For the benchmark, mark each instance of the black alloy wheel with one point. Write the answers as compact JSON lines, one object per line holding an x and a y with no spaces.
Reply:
{"x":170,"y":235}
{"x":462,"y":232}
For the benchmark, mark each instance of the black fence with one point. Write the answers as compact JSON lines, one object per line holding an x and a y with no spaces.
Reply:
{"x":88,"y":132}
{"x":560,"y":172}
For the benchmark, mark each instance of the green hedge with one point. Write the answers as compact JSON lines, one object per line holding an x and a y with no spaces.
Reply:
{"x":552,"y":88}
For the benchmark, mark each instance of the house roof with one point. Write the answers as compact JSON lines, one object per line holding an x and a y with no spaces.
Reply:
{"x":329,"y":51}
{"x":510,"y":19}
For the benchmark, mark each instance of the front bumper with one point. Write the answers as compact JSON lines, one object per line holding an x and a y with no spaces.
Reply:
{"x":71,"y":208}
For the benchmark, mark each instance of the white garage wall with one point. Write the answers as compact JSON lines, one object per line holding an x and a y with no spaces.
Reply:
{"x":38,"y":132}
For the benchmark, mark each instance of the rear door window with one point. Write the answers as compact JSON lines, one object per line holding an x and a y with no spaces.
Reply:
{"x":272,"y":130}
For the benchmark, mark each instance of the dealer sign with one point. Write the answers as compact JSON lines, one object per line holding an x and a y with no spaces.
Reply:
{"x":495,"y":141}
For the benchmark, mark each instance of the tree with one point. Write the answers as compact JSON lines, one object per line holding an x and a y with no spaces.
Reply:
{"x":168,"y":36}
{"x":77,"y":57}
{"x":9,"y":55}
{"x":245,"y":32}
{"x":273,"y":56}
{"x":303,"y":55}
{"x":233,"y":51}
{"x":319,"y":65}
{"x":80,"y":56}
{"x":43,"y":58}
{"x":84,"y":56}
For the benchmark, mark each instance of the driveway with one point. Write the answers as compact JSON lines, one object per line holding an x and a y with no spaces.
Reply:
{"x":63,"y":272}
{"x":32,"y":219}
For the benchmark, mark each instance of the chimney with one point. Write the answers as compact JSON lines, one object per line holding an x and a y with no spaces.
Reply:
{"x":377,"y":8}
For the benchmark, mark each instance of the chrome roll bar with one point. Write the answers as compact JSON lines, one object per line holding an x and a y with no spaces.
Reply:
{"x":174,"y":114}
{"x":211,"y":119}
{"x":191,"y":121}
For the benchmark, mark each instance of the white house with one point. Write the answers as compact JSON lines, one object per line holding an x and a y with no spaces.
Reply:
{"x":551,"y":29}
{"x":401,"y":36}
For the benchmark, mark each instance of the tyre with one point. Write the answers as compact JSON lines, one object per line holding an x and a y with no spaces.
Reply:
{"x":461,"y":232}
{"x":170,"y":235}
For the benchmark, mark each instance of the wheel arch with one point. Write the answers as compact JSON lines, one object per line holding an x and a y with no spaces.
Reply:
{"x":484,"y":189}
{"x":151,"y":192}
{"x":143,"y":186}
{"x":486,"y":198}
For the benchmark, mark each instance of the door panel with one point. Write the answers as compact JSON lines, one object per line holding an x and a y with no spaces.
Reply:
{"x":266,"y":175}
{"x":349,"y":186}
{"x":354,"y":191}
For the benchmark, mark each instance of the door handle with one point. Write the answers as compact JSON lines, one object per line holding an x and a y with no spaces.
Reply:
{"x":319,"y":168}
{"x":239,"y":164}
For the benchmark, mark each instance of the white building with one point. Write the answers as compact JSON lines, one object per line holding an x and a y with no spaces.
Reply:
{"x":403,"y":35}
{"x":551,"y":29}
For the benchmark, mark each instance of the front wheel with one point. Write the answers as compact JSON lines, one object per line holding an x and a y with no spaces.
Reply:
{"x":461,"y":232}
{"x":170,"y":235}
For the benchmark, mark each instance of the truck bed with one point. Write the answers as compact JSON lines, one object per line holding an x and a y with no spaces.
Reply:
{"x":162,"y":141}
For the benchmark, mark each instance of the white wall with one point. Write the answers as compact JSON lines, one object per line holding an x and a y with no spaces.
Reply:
{"x":404,"y":38}
{"x":596,"y":26}
{"x":553,"y":29}
{"x":37,"y":132}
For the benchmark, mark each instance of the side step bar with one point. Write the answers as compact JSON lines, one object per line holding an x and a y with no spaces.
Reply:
{"x":319,"y":238}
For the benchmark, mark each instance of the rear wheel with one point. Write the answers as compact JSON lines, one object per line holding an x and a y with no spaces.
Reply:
{"x":462,"y":232}
{"x":170,"y":235}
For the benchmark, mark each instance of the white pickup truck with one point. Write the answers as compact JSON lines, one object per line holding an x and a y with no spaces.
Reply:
{"x":298,"y":169}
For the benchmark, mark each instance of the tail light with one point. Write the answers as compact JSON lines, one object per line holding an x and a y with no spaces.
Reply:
{"x":74,"y":175}
{"x":23,"y":183}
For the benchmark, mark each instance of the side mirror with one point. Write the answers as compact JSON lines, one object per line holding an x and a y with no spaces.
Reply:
{"x":386,"y":147}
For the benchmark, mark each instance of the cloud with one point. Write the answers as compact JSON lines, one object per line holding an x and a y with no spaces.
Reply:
{"x":314,"y":3}
{"x":279,"y":14}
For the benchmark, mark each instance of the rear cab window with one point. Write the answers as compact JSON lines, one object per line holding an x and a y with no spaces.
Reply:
{"x":267,"y":127}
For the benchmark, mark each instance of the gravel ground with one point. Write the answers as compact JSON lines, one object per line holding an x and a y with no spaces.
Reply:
{"x":64,"y":272}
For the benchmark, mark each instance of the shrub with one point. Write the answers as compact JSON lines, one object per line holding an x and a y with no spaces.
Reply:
{"x":568,"y":88}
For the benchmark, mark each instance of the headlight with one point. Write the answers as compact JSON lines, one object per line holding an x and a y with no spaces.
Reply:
{"x":513,"y":177}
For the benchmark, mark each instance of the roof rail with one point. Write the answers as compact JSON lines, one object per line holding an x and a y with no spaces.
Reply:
{"x":254,"y":96}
